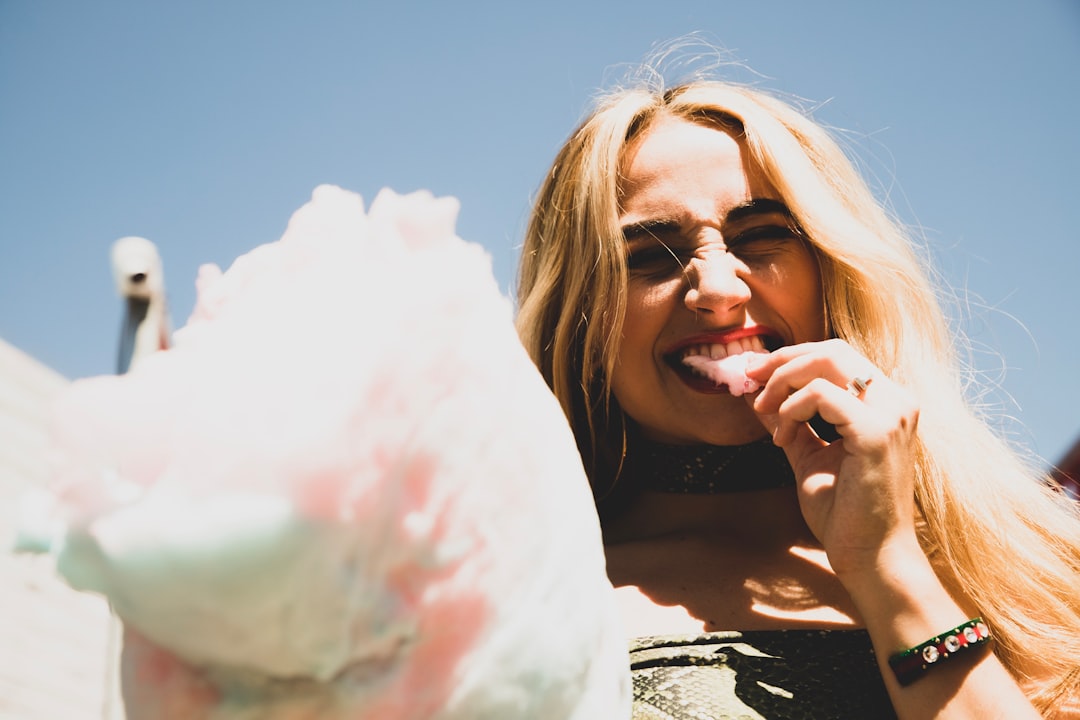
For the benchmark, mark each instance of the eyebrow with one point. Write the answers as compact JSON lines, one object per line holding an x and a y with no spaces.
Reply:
{"x":751,"y":208}
{"x":757,"y":206}
{"x":649,"y":228}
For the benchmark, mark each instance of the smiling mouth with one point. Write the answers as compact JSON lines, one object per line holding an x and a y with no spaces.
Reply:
{"x":719,"y":351}
{"x":704,"y":367}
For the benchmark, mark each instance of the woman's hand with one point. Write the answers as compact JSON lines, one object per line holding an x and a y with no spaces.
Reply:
{"x":857,"y":493}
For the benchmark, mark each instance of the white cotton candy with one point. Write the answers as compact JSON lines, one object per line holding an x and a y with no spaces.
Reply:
{"x":347,"y":473}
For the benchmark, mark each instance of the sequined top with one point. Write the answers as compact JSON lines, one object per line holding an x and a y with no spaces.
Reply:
{"x":707,"y":469}
{"x":818,"y":674}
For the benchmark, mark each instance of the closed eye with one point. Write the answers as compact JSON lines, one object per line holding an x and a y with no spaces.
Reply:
{"x":655,"y":259}
{"x":763,"y":241}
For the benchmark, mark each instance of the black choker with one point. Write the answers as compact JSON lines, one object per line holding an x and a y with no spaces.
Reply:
{"x":707,"y":469}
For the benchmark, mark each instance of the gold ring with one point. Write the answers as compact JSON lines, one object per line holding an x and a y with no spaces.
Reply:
{"x":858,"y":385}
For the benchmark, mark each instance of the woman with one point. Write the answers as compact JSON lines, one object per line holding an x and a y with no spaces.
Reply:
{"x":765,"y":570}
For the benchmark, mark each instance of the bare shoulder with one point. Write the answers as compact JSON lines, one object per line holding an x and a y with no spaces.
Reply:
{"x":643,"y":616}
{"x":688,"y":584}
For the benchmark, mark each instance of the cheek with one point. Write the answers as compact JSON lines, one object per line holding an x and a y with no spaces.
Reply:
{"x":805,"y":302}
{"x":648,"y":307}
{"x":642,"y":324}
{"x":792,"y":290}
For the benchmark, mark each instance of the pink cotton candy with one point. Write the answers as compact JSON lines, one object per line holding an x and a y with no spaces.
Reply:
{"x":729,"y":371}
{"x":345,"y":491}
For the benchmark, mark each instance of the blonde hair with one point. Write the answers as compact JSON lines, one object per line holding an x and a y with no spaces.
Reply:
{"x":1000,"y":538}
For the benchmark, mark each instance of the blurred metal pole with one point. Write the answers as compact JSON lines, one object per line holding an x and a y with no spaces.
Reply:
{"x":140,"y":280}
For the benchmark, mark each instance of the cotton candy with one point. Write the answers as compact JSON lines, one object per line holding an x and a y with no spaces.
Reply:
{"x":346,"y":491}
{"x":729,"y":371}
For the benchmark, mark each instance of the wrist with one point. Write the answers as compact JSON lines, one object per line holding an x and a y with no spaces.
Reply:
{"x":893,"y":564}
{"x":900,"y":597}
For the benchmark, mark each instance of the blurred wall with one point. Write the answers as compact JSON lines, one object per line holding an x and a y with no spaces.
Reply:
{"x":57,"y":646}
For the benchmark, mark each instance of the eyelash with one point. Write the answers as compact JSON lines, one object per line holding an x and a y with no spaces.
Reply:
{"x":755,"y":245}
{"x":658,"y":259}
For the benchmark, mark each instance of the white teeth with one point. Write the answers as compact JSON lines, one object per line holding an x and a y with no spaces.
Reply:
{"x":753,"y":344}
{"x":719,"y":351}
{"x":715,"y":352}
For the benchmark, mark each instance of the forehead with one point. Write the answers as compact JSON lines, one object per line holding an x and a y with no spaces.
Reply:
{"x":675,"y":158}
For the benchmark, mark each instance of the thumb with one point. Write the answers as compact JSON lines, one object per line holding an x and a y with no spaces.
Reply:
{"x":771,"y":421}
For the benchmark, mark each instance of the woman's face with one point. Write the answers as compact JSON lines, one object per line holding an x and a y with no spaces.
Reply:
{"x":714,"y":260}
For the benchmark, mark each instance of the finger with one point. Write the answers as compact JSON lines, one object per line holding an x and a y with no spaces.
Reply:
{"x":761,"y":366}
{"x":819,"y":401}
{"x":768,"y":420}
{"x":803,"y":370}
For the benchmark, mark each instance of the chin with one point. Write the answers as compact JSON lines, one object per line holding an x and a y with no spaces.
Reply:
{"x":709,"y":433}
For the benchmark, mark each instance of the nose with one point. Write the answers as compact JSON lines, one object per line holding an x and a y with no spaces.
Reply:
{"x":716,"y":283}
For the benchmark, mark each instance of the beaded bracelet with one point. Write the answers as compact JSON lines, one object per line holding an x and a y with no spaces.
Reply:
{"x":911,"y":664}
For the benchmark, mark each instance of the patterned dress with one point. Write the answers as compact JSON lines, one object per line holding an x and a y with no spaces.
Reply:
{"x":818,"y":674}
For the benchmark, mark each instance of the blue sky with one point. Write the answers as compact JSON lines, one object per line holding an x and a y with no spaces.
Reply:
{"x":202,"y":125}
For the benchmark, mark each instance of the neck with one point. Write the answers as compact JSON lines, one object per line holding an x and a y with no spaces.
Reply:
{"x":707,"y":469}
{"x":758,"y":518}
{"x":745,"y":493}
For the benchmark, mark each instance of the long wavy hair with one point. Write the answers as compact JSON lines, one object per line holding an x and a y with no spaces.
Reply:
{"x":997,"y":533}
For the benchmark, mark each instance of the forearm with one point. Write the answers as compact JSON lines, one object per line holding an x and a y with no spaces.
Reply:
{"x":904,"y":604}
